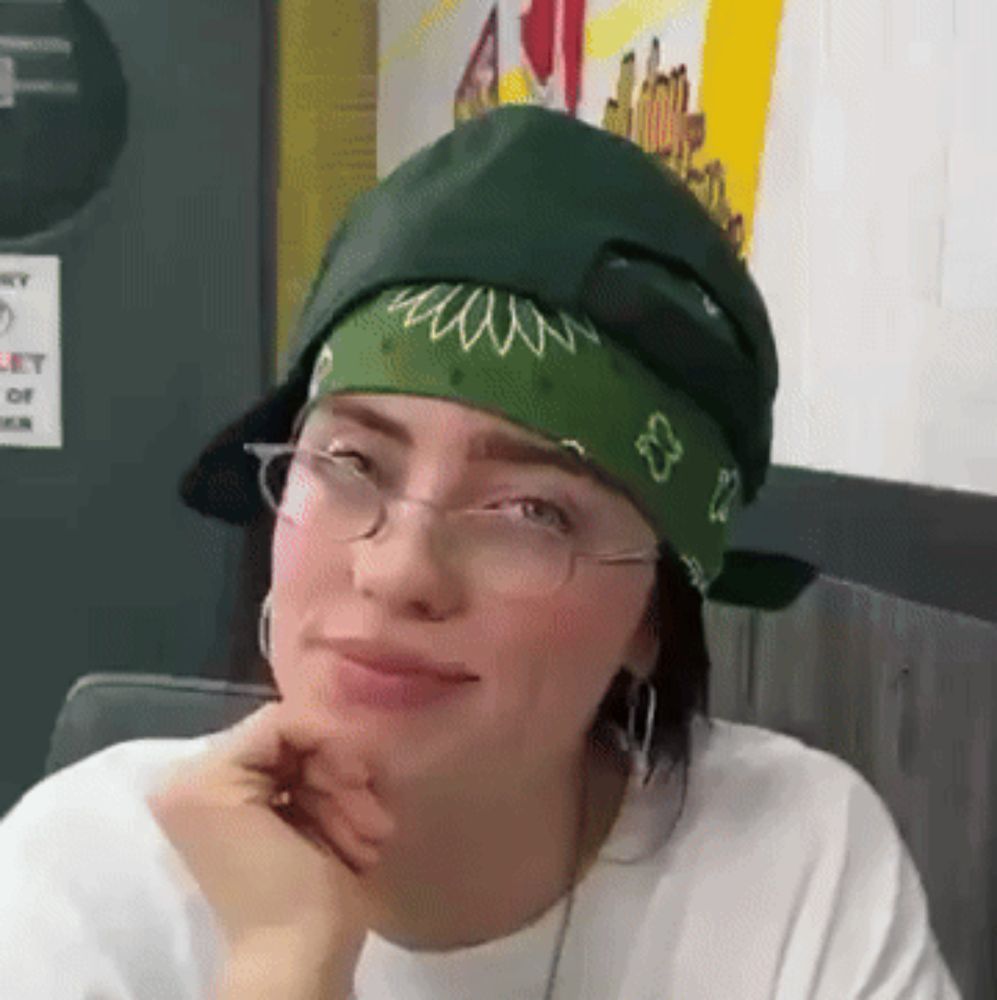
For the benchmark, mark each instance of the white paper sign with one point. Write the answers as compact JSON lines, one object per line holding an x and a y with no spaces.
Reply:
{"x":30,"y":352}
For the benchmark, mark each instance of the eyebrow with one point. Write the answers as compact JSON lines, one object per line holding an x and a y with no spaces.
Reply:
{"x":486,"y":445}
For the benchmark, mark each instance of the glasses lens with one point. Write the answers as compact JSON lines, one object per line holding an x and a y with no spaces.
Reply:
{"x":509,"y":556}
{"x":301,"y":486}
{"x":499,"y":551}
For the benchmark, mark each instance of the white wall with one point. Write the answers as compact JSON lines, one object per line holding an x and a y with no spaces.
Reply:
{"x":875,"y":233}
{"x":876,"y":239}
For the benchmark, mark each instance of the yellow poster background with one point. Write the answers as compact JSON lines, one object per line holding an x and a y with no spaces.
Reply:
{"x":714,"y":141}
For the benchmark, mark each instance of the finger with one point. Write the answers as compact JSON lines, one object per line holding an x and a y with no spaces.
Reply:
{"x":366,"y":812}
{"x":306,"y":732}
{"x":335,"y":764}
{"x":369,"y":828}
{"x":293,"y":814}
{"x":338,"y":831}
{"x":361,"y":854}
{"x":276,"y":742}
{"x":361,"y":803}
{"x":256,"y":743}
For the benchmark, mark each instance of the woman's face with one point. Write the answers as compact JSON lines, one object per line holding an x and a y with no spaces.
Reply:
{"x":542,"y":663}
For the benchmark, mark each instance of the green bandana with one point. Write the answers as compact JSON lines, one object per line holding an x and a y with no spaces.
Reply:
{"x":552,"y":373}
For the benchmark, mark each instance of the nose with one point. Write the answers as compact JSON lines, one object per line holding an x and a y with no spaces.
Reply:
{"x":406,"y":564}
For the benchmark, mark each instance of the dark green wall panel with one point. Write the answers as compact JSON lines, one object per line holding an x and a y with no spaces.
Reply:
{"x":164,"y":336}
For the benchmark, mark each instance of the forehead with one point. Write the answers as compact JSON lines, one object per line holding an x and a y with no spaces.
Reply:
{"x":423,"y":414}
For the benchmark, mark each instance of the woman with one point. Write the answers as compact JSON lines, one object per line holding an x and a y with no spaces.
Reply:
{"x":534,"y":386}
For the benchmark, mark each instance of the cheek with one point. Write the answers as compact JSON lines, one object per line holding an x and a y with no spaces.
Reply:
{"x":583,"y":636}
{"x":303,"y":575}
{"x":290,"y":554}
{"x":300,"y":558}
{"x":602,"y":610}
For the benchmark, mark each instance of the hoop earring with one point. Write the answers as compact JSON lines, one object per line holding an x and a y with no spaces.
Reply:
{"x":640,"y":751}
{"x":263,"y":626}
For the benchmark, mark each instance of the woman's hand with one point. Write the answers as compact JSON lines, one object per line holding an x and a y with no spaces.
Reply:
{"x":276,"y":823}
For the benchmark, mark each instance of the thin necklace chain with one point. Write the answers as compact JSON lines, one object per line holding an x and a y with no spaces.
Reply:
{"x":552,"y":978}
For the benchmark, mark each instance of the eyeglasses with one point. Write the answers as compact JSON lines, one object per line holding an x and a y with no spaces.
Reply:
{"x":505,"y":553}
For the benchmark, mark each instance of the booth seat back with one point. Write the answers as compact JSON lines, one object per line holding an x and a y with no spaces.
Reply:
{"x":103,"y":709}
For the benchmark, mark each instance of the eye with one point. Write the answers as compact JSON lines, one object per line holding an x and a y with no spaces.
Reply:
{"x":364,"y":464}
{"x":543,"y":512}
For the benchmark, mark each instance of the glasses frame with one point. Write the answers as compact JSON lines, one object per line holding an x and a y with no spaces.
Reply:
{"x":266,"y":452}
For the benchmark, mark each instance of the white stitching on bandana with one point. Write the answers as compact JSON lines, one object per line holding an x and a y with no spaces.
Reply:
{"x":323,"y":365}
{"x":404,"y":298}
{"x":659,"y":446}
{"x":415,"y":300}
{"x":724,"y":495}
{"x":694,"y":570}
{"x":574,"y":445}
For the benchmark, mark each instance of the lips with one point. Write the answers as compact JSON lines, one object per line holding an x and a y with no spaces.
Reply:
{"x":394,"y":660}
{"x":375,"y":676}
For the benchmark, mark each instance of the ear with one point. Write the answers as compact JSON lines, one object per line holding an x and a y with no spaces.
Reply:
{"x":641,"y":655}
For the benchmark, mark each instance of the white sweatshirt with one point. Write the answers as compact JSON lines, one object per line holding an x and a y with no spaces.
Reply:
{"x":784,"y":879}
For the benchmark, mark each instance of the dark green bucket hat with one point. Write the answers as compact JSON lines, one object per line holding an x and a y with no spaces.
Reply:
{"x":574,"y":219}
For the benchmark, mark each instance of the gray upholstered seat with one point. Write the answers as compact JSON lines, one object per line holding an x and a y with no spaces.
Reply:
{"x":104,"y":709}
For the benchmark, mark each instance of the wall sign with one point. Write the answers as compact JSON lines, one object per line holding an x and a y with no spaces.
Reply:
{"x":30,"y":352}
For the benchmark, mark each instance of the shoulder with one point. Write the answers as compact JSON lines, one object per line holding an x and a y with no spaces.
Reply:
{"x":773,"y":794}
{"x":92,"y":812}
{"x":746,"y":786}
{"x":758,"y":772}
{"x":809,"y":841}
{"x":122,"y":774}
{"x":87,"y":875}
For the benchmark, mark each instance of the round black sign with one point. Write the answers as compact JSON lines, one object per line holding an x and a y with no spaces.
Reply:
{"x":63,"y":112}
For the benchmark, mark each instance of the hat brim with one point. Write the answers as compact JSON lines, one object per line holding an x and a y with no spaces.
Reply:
{"x":221,"y":482}
{"x":761,"y":581}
